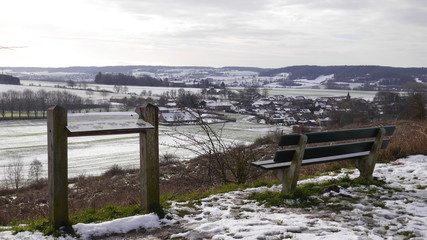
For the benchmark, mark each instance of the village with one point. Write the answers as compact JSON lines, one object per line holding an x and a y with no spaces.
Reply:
{"x":278,"y":109}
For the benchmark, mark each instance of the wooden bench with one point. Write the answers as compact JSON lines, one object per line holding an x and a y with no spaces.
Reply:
{"x":362,"y":147}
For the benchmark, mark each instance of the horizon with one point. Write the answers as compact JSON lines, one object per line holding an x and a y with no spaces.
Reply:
{"x":191,"y":66}
{"x":263,"y":34}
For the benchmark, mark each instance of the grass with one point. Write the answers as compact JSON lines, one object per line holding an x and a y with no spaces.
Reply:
{"x":407,"y":234}
{"x":107,"y":213}
{"x":311,"y":194}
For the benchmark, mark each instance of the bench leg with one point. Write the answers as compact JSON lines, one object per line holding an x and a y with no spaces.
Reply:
{"x":366,"y":168}
{"x":366,"y":165}
{"x":283,"y":176}
{"x":289,"y":176}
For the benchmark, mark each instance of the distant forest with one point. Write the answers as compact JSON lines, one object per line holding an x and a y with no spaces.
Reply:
{"x":122,"y":79}
{"x":387,"y":75}
{"x":7,"y":79}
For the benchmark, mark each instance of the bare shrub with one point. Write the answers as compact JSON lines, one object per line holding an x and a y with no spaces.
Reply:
{"x":114,"y":171}
{"x":219,"y":161}
{"x":238,"y":163}
{"x":410,"y":138}
{"x":168,"y":158}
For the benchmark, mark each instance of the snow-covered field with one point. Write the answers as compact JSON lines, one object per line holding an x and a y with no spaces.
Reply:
{"x":50,"y":86}
{"x":288,"y":92}
{"x":380,"y":213}
{"x":315,"y":93}
{"x":27,"y":140}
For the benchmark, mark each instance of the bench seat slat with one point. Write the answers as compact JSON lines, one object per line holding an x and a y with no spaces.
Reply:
{"x":264,"y":162}
{"x":274,"y":165}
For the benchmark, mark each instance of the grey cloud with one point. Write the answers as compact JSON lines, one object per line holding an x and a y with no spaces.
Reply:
{"x":188,"y":7}
{"x":332,"y":4}
{"x":412,"y":16}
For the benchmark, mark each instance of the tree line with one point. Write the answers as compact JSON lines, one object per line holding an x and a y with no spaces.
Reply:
{"x":30,"y":104}
{"x":7,"y":79}
{"x":122,"y":79}
{"x":386,"y":105}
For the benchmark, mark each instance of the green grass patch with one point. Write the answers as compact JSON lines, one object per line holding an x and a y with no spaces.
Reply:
{"x":407,"y":234}
{"x":107,"y":213}
{"x":311,"y":195}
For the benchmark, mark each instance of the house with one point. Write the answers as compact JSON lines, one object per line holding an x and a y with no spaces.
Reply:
{"x":217,"y":106}
{"x":177,"y":84}
{"x":178,"y":118}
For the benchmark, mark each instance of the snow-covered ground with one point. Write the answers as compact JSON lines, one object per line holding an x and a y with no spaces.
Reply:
{"x":381,"y":213}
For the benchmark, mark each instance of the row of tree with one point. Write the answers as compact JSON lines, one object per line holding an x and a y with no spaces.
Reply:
{"x":7,"y":79}
{"x":122,"y":79}
{"x":30,"y":104}
{"x":385,"y":106}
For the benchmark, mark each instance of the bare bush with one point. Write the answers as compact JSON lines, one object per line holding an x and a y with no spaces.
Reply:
{"x":221,"y":161}
{"x":168,"y":158}
{"x":114,"y":170}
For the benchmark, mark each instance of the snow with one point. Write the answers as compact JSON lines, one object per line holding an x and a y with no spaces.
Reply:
{"x":232,"y":216}
{"x":317,"y":81}
{"x":122,"y":225}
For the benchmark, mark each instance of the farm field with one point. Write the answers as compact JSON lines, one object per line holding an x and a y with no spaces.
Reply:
{"x":27,"y":140}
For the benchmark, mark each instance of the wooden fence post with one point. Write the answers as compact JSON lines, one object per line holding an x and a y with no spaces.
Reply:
{"x":57,"y":165}
{"x":149,"y":158}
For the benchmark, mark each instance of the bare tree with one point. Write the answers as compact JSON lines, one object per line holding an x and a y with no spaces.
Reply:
{"x":35,"y":171}
{"x":117,"y":88}
{"x":104,"y":94}
{"x":14,"y":173}
{"x":41,"y":101}
{"x":89,"y":93}
{"x":71,"y":83}
{"x":3,"y":105}
{"x":29,"y":103}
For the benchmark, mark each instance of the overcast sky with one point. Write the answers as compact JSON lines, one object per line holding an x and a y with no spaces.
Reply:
{"x":258,"y":33}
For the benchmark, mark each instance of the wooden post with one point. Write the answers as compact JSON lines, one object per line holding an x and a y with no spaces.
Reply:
{"x":289,"y":176}
{"x":366,"y":165}
{"x":149,"y":158}
{"x":57,"y":166}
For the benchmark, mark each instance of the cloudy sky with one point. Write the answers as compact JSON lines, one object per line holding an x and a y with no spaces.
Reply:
{"x":259,"y":33}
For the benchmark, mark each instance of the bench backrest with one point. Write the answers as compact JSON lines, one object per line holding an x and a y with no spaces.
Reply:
{"x":332,"y":136}
{"x":335,"y":136}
